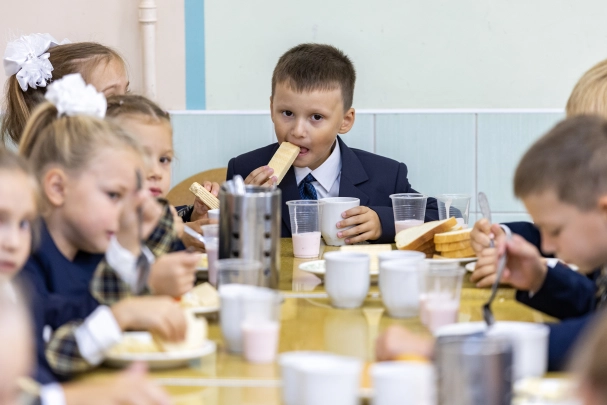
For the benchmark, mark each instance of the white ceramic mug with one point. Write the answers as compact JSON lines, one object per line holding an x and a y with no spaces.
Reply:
{"x":331,"y":210}
{"x":393,"y":381}
{"x":290,"y":363}
{"x":331,"y":381}
{"x":347,"y":278}
{"x":399,"y":285}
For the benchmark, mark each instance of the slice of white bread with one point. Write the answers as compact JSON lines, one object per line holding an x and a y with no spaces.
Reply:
{"x":412,"y":238}
{"x":196,"y":334}
{"x":283,"y":159}
{"x":372,"y":250}
{"x":203,"y":295}
{"x":453,"y":236}
{"x":458,"y":254}
{"x":449,"y":247}
{"x":206,"y":196}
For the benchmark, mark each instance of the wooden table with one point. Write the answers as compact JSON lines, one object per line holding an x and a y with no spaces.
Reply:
{"x":308,"y":322}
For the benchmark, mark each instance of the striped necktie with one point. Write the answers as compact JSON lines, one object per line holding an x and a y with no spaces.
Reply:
{"x":306,"y":189}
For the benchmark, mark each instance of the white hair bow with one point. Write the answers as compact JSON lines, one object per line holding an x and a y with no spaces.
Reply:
{"x":27,"y":58}
{"x":72,"y":96}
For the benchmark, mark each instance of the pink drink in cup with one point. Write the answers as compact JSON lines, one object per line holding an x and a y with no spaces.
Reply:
{"x":305,"y":227}
{"x":260,"y":341}
{"x":441,"y":312}
{"x":409,"y":210}
{"x":440,"y":294}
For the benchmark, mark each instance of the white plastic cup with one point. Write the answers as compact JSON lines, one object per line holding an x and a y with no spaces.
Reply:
{"x":211,"y":236}
{"x":409,"y":210}
{"x":454,"y":205}
{"x":399,"y":285}
{"x":305,"y":227}
{"x":347,"y":278}
{"x":238,"y":271}
{"x":214,"y":215}
{"x":331,"y":211}
{"x":393,"y":381}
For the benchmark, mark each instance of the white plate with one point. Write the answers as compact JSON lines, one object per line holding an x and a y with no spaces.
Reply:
{"x":462,"y":260}
{"x":318,"y":267}
{"x":158,"y":360}
{"x":470,"y":266}
{"x":205,"y":310}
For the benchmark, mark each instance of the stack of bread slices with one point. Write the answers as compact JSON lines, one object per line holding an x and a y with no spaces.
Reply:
{"x":437,"y":239}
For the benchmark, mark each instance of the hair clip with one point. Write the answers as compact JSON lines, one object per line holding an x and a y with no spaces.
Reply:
{"x":72,"y":96}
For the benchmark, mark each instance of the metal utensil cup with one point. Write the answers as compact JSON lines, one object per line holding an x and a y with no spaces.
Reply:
{"x":249,"y":228}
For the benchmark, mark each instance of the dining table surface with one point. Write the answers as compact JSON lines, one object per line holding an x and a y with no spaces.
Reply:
{"x":308,"y":322}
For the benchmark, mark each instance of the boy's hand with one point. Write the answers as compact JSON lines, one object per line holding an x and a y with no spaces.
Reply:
{"x":262,"y":176}
{"x":200,"y":209}
{"x":486,"y":267}
{"x":160,"y":315}
{"x":366,"y":225}
{"x":129,"y":387}
{"x":525,"y":268}
{"x":397,"y":341}
{"x":190,"y":241}
{"x":128,"y":234}
{"x":173,"y":274}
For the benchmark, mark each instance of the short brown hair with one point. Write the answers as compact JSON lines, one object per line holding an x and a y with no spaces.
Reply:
{"x":134,"y":105}
{"x":309,"y":67}
{"x":570,"y":160}
{"x":589,"y":96}
{"x":589,"y":360}
{"x":78,"y":57}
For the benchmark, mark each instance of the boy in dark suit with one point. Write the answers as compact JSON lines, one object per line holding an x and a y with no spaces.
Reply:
{"x":311,"y":103}
{"x":563,"y":183}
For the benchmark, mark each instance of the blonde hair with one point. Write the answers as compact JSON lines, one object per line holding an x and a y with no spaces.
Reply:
{"x":79,"y":57}
{"x":138,"y":106}
{"x":70,"y":142}
{"x":589,"y":96}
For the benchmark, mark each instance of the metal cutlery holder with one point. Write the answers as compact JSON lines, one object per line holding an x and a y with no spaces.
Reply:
{"x":249,"y":228}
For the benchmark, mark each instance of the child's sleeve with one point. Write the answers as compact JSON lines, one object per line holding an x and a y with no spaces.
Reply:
{"x":81,"y":345}
{"x":164,"y":238}
{"x":107,"y":287}
{"x":185,"y":212}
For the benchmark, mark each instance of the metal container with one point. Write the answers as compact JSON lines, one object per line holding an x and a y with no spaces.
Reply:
{"x":249,"y":228}
{"x":474,"y":370}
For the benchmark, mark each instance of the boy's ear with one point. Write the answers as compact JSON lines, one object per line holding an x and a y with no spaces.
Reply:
{"x":54,"y":186}
{"x":271,"y":108}
{"x":348,"y":121}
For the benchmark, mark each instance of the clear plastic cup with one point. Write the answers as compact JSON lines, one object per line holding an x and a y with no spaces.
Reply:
{"x":211,"y":236}
{"x":440,"y":293}
{"x":214,"y":215}
{"x":305,"y":227}
{"x":239,"y":271}
{"x":409,"y":210}
{"x":260,"y":326}
{"x":454,"y":205}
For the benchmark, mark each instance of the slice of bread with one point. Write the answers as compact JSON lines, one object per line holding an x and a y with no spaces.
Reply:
{"x":195,"y":336}
{"x":426,"y":246}
{"x":283,"y":159}
{"x":203,"y":295}
{"x":449,"y":247}
{"x":458,"y":254}
{"x":453,"y":236}
{"x":412,"y":238}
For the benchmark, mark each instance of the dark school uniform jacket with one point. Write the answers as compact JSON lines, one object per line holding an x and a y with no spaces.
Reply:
{"x":364,"y":175}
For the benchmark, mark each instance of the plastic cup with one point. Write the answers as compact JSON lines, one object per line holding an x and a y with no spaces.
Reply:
{"x":214,"y":215}
{"x":305,"y":227}
{"x":454,"y":205}
{"x":260,"y":326}
{"x":238,"y":271}
{"x":399,"y":285}
{"x":440,"y":293}
{"x":211,"y":236}
{"x":409,"y":210}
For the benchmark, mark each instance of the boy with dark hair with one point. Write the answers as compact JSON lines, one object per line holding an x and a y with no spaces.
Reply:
{"x":311,"y":103}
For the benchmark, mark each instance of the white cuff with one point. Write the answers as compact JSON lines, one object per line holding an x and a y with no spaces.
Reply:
{"x":52,"y":394}
{"x":97,"y":334}
{"x":124,"y":263}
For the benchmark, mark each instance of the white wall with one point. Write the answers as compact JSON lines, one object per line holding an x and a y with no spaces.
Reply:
{"x":113,"y":23}
{"x":411,"y":53}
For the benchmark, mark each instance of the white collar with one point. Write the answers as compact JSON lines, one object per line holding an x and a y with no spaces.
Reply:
{"x":326,"y":173}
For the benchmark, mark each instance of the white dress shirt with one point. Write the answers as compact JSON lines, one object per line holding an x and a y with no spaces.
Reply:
{"x":327,"y":175}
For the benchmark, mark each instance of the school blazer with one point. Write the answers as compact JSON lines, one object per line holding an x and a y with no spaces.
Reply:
{"x":367,"y":176}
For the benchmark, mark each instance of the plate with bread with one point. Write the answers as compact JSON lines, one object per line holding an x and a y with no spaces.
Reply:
{"x":439,"y":240}
{"x":160,"y":354}
{"x":202,"y":299}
